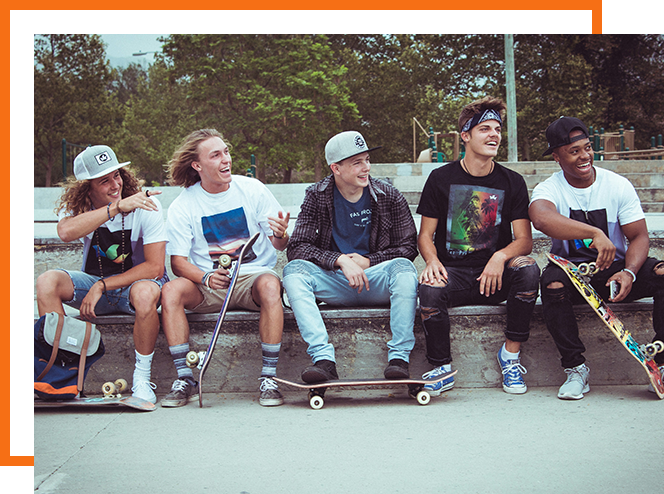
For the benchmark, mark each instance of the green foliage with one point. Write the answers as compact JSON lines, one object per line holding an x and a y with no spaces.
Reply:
{"x":72,"y":101}
{"x":281,"y":97}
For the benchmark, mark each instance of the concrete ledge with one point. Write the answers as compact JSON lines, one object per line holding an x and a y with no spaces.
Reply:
{"x":360,"y":336}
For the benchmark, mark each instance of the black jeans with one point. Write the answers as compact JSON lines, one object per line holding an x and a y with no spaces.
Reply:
{"x":520,"y":287}
{"x":558,"y":310}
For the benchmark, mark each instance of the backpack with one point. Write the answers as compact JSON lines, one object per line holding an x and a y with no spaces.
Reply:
{"x":65,"y":349}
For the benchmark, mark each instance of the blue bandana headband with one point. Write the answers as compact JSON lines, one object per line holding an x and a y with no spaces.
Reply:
{"x":478,"y":118}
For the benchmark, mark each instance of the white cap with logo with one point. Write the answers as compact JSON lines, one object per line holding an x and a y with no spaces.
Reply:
{"x":345,"y":145}
{"x":95,"y":162}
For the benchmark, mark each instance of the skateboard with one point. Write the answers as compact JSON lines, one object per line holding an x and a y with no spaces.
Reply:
{"x":317,"y":390}
{"x":202,"y":360}
{"x":99,"y":401}
{"x":579,"y":275}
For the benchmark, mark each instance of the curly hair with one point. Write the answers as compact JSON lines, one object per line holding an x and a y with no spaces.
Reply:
{"x":75,"y":197}
{"x":480,"y":106}
{"x":179,"y":167}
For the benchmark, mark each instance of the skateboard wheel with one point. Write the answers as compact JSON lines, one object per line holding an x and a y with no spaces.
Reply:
{"x":316,"y":402}
{"x":120,"y":385}
{"x":584,"y":269}
{"x":423,"y":397}
{"x":650,"y":350}
{"x":659,"y":346}
{"x":192,"y":359}
{"x":592,"y":267}
{"x":108,"y":388}
{"x":224,"y":260}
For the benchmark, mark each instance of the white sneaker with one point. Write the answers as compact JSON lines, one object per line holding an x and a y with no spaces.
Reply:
{"x":144,"y":391}
{"x":650,"y":388}
{"x":576,"y":384}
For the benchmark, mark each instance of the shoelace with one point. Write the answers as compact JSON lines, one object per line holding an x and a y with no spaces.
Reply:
{"x":267,"y":383}
{"x":510,"y":370}
{"x":438,"y":371}
{"x":574,"y":374}
{"x":143,"y":383}
{"x":179,"y":385}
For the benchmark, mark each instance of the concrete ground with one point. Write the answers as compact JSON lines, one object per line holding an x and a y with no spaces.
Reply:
{"x":378,"y":441}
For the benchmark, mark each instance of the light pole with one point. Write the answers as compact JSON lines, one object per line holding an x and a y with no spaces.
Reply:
{"x":512,"y":150}
{"x":142,"y":54}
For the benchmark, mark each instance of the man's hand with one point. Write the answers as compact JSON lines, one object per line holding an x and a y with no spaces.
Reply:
{"x":356,"y":276}
{"x":624,"y":280}
{"x":89,"y":303}
{"x":219,"y":279}
{"x":434,"y":273}
{"x":491,"y":279}
{"x":606,"y":251}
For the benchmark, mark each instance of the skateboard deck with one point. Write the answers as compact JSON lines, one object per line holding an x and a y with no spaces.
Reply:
{"x":127,"y":401}
{"x":642,"y":353}
{"x":205,"y":361}
{"x":317,"y":390}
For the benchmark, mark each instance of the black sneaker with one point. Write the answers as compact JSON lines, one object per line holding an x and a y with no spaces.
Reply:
{"x":323,"y":370}
{"x":397,"y":369}
{"x":182,"y":391}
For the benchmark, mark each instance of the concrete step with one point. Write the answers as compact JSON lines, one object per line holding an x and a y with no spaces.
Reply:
{"x":360,"y":335}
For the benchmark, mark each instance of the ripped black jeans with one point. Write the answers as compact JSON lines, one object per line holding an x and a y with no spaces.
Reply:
{"x":520,"y":286}
{"x":558,"y":310}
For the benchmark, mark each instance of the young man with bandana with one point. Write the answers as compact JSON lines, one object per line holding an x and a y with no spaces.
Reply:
{"x":591,"y":215}
{"x":475,"y":238}
{"x":353,"y":245}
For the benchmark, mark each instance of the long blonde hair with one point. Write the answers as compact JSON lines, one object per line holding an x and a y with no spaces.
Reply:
{"x":179,"y":168}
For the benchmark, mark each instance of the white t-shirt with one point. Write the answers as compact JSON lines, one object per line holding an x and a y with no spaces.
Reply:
{"x":141,"y":228}
{"x":608,"y":203}
{"x":203,"y":226}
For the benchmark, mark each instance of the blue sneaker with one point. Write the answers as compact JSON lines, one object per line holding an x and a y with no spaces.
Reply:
{"x":513,"y":371}
{"x":437,"y":388}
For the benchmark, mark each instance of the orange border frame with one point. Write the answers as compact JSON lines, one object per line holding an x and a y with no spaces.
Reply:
{"x":16,"y":45}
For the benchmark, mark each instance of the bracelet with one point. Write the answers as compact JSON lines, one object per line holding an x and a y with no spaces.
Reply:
{"x":283,"y":236}
{"x":103,"y":283}
{"x":206,"y":279}
{"x":108,"y":212}
{"x":632,"y":273}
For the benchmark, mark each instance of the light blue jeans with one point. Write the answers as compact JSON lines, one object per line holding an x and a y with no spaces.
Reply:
{"x":391,"y":283}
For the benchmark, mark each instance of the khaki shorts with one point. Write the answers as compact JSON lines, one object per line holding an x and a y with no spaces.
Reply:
{"x":241,"y":299}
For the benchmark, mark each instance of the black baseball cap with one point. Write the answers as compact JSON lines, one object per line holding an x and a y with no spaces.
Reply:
{"x":557,"y":134}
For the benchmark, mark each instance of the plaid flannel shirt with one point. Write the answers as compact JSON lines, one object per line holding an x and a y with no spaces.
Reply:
{"x":393,"y":233}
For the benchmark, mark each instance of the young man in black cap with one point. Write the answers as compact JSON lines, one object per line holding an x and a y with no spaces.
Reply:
{"x":591,"y":215}
{"x":353,"y":244}
{"x":475,"y":239}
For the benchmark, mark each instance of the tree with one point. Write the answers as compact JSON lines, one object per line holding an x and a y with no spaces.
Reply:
{"x":157,"y":117}
{"x":72,"y":100}
{"x":274,"y":96}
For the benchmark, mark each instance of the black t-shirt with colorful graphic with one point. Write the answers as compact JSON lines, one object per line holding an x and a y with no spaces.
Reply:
{"x":474,"y":213}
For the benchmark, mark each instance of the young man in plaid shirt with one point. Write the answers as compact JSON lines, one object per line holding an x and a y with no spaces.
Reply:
{"x":353,"y":245}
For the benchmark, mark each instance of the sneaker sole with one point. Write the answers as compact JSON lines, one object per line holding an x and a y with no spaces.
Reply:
{"x":438,"y":392}
{"x":567,"y":396}
{"x":271,"y":402}
{"x":180,"y":403}
{"x":515,"y":391}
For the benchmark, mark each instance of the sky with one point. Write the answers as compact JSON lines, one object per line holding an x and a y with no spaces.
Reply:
{"x":120,"y":48}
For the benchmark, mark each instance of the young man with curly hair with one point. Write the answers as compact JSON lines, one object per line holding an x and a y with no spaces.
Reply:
{"x":122,"y":230}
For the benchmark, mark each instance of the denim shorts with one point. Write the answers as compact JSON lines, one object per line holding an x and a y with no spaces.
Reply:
{"x":113,"y":301}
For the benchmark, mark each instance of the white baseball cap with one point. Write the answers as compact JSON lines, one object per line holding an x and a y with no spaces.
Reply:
{"x":345,"y":145}
{"x":95,"y":162}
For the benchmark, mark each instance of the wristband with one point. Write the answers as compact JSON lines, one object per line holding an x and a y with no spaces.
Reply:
{"x":108,"y":212}
{"x":206,"y":279}
{"x":632,"y":273}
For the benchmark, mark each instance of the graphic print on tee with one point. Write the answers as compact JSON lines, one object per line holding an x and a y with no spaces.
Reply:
{"x":580,"y":248}
{"x":107,"y":248}
{"x":226,"y":233}
{"x":473,"y":218}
